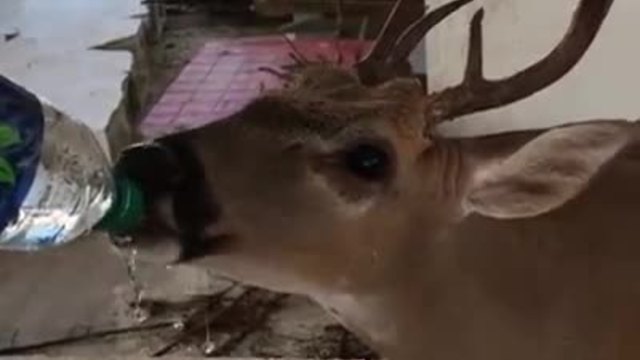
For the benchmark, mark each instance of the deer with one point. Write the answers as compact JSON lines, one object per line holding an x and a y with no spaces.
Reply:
{"x":340,"y":187}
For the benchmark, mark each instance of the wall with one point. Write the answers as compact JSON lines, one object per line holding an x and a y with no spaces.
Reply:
{"x":519,"y":32}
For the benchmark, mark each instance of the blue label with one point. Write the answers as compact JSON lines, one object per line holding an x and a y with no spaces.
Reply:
{"x":21,"y":136}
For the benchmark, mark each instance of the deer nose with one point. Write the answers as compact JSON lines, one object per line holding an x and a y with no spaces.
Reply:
{"x":152,"y":166}
{"x":178,"y":203}
{"x":157,"y":173}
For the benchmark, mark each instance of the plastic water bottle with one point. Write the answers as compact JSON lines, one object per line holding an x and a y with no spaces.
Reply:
{"x":56,"y":182}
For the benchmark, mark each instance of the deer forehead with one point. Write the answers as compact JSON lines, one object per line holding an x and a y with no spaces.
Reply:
{"x":298,"y":111}
{"x":325,"y":77}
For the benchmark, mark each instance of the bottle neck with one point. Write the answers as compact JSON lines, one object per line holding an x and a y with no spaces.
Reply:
{"x":127,"y":209}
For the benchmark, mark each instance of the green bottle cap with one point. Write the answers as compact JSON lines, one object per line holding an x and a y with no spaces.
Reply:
{"x":127,"y":209}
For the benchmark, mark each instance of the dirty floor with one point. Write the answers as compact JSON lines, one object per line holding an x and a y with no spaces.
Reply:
{"x":79,"y":301}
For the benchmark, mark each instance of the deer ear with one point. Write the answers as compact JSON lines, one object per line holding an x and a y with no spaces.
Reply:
{"x":547,"y":171}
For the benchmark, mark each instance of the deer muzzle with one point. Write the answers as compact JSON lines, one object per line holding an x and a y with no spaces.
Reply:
{"x":178,"y":205}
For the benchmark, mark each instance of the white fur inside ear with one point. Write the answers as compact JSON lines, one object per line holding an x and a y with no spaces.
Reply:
{"x":548,"y":171}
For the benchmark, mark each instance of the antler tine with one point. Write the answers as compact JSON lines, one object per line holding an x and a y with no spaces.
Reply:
{"x":477,"y":93}
{"x":412,"y":36}
{"x":391,"y":30}
{"x":475,"y":62}
{"x":373,"y":69}
{"x":388,"y":58}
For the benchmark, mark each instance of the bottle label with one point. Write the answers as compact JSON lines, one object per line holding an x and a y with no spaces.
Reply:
{"x":22,"y":133}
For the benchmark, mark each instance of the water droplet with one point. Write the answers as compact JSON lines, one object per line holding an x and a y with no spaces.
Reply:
{"x":178,"y":325}
{"x":209,"y":348}
{"x":140,"y":314}
{"x":121,"y":240}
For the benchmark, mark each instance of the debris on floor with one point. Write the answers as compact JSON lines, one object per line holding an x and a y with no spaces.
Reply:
{"x":11,"y":35}
{"x":234,"y":322}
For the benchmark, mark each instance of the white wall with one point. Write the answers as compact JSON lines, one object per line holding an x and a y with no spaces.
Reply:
{"x":606,"y":84}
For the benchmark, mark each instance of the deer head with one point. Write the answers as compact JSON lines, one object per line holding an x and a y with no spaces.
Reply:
{"x":336,"y":183}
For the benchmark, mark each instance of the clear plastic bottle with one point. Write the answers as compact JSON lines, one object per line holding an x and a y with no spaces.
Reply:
{"x":63,"y":186}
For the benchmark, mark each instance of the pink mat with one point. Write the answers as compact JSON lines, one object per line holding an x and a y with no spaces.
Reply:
{"x":223,"y":77}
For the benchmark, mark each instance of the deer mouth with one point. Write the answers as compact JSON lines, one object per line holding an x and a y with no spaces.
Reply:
{"x":179,"y":205}
{"x":161,"y":239}
{"x":194,"y":248}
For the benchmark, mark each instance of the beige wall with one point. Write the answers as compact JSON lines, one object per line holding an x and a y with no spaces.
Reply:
{"x":606,"y":84}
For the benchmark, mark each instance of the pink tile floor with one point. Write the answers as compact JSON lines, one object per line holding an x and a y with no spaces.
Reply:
{"x":224,"y":76}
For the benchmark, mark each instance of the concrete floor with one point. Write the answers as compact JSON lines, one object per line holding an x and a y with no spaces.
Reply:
{"x":51,"y":295}
{"x":83,"y":289}
{"x":46,"y":46}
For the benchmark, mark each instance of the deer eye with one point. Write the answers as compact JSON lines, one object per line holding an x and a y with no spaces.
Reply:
{"x":368,"y":162}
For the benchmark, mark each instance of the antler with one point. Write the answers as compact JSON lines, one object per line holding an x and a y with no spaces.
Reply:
{"x":414,"y":33}
{"x":396,"y":41}
{"x":476,"y":93}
